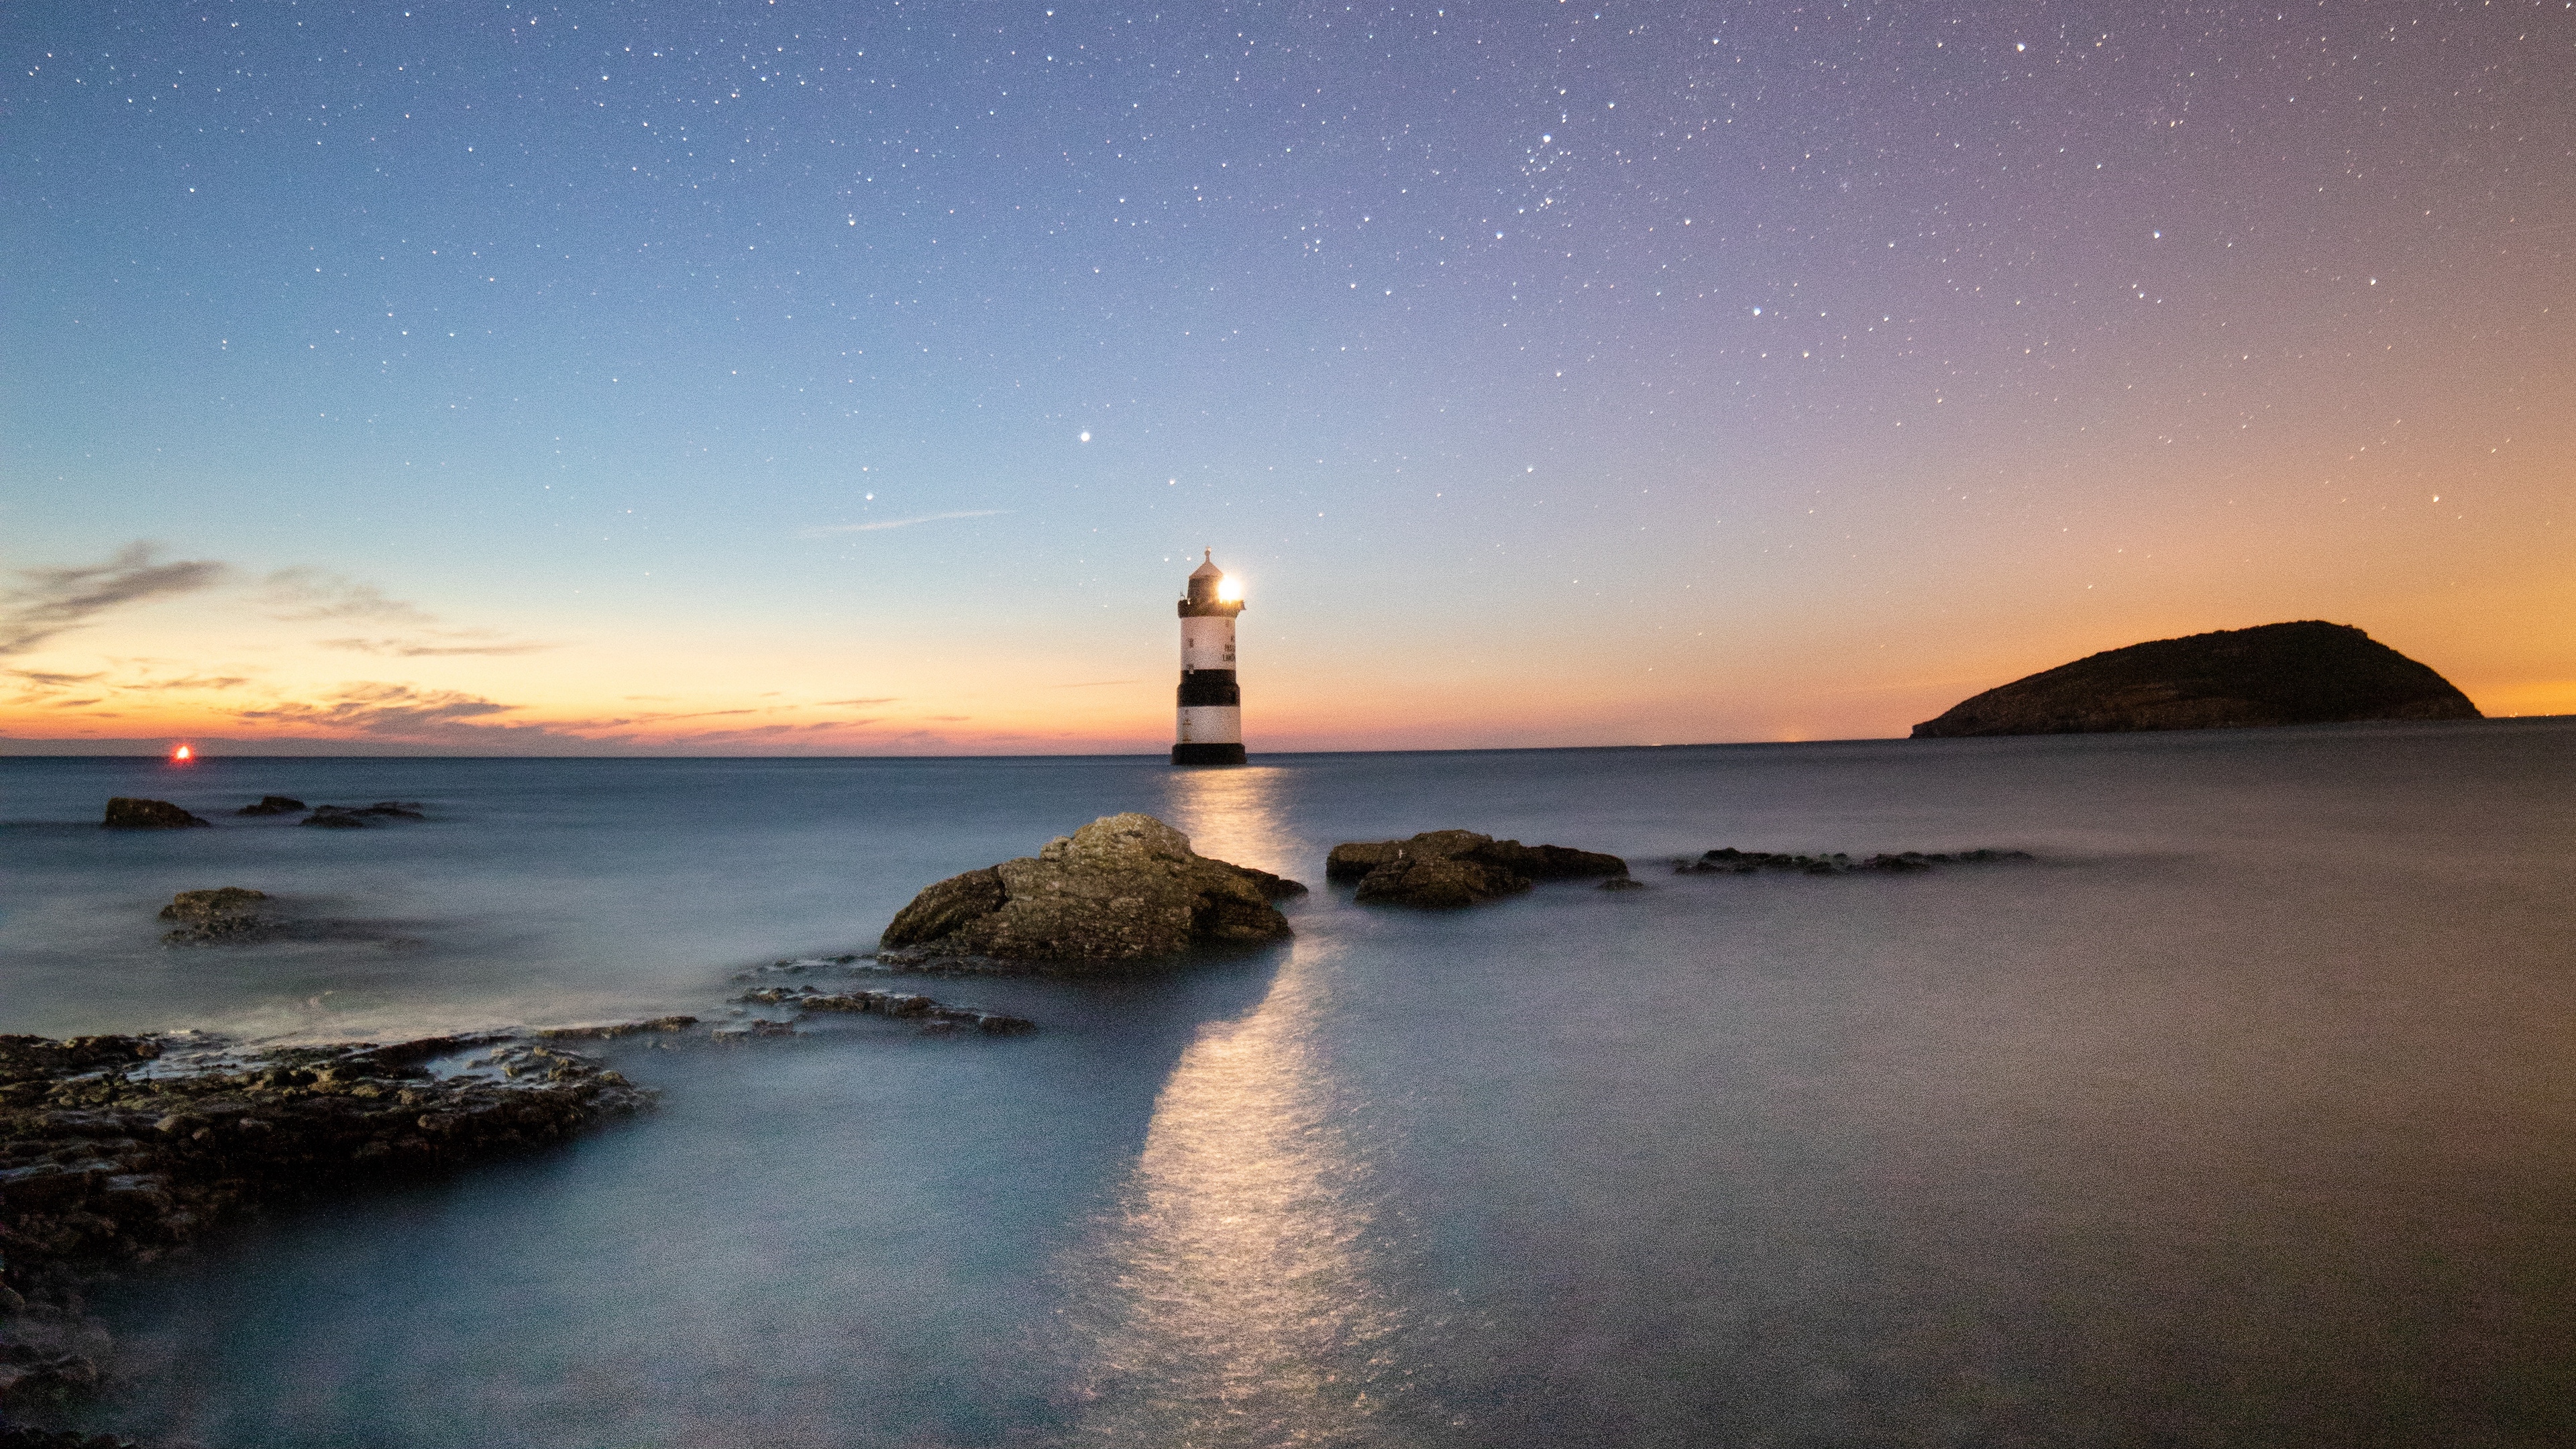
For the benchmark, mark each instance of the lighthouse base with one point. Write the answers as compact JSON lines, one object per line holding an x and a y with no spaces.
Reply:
{"x":1207,"y":754}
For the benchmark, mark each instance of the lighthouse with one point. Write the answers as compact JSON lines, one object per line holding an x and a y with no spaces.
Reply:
{"x":1211,"y":722}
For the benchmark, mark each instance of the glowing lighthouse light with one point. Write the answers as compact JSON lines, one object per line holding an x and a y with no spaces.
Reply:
{"x":183,"y":754}
{"x":1211,"y":705}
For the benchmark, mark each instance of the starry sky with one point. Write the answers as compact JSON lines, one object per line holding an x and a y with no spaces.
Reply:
{"x":748,"y":376}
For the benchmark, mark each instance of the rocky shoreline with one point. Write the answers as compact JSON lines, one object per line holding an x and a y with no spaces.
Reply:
{"x":115,"y":1150}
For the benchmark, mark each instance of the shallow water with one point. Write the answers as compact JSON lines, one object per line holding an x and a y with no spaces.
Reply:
{"x":2241,"y":1116}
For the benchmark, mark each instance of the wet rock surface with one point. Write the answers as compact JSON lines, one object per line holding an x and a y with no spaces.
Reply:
{"x":273,"y":805}
{"x":1443,"y":869}
{"x":2307,"y":672}
{"x":128,"y":813}
{"x":1731,"y":861}
{"x":607,"y":1030}
{"x":227,"y":913}
{"x":117,"y":1149}
{"x":900,"y":1005}
{"x":1123,"y":889}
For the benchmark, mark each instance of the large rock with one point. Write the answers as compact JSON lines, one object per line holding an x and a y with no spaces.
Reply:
{"x":125,"y":813}
{"x":1123,"y":888}
{"x":272,"y":805}
{"x":2309,"y":672}
{"x":1441,"y":868}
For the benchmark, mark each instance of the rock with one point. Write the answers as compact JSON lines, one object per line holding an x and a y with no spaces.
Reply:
{"x":1731,"y":861}
{"x":1272,"y":887}
{"x":345,"y":817}
{"x":103,"y":1162}
{"x":124,"y":813}
{"x":1621,"y":883}
{"x":272,"y":805}
{"x":604,"y":1030}
{"x":1125,"y":888}
{"x":1436,"y":881}
{"x":2310,"y":672}
{"x":228,"y":914}
{"x":1446,"y":868}
{"x":754,"y":1029}
{"x":889,"y":1003}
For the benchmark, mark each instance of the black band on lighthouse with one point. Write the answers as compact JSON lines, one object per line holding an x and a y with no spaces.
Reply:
{"x":1210,"y":686}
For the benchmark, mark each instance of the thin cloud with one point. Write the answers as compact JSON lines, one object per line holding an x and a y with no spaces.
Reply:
{"x":301,"y":595}
{"x":830,"y":529}
{"x":421,"y":649}
{"x":53,"y":681}
{"x":193,"y":681}
{"x":889,"y":699}
{"x":1093,"y":684}
{"x":56,"y":600}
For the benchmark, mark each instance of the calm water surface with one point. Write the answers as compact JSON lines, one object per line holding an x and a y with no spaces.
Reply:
{"x":2244,"y":1116}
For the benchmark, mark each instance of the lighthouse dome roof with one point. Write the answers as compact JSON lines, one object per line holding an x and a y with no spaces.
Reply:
{"x":1208,"y":570}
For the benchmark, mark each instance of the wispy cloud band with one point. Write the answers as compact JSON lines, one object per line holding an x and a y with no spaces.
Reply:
{"x":828,"y":530}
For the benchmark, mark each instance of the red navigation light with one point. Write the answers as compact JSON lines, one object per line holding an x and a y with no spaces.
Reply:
{"x":183,"y":754}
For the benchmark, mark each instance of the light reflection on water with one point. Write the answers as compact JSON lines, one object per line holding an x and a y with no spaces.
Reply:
{"x":1236,"y":1294}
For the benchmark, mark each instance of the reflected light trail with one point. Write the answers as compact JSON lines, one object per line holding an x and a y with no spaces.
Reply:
{"x":1235,"y":1294}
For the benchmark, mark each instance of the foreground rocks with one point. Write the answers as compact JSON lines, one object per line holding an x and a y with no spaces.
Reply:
{"x":1449,"y":868}
{"x":1731,"y":861}
{"x":2310,"y":672}
{"x":127,"y":813}
{"x":117,"y":1149}
{"x":1123,"y":889}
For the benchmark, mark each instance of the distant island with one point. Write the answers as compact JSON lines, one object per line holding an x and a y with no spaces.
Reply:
{"x":2309,"y":672}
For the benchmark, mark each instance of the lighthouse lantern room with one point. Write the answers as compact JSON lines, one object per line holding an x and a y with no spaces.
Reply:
{"x":1211,"y":714}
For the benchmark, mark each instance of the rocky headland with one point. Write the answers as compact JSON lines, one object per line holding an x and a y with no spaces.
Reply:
{"x":2310,"y":672}
{"x":1125,"y":889}
{"x":1449,"y":868}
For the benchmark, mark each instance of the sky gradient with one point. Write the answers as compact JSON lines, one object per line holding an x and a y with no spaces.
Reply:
{"x":752,"y":377}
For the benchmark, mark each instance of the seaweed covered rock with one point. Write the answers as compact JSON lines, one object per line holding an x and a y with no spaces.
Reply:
{"x":1124,"y":888}
{"x":229,"y":913}
{"x":1444,"y":868}
{"x":2309,"y":672}
{"x":127,"y":813}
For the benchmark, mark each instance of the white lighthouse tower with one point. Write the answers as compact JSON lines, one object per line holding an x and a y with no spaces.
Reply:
{"x":1211,"y":722}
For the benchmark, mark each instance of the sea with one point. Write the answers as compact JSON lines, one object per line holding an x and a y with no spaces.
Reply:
{"x":2242,"y":1113}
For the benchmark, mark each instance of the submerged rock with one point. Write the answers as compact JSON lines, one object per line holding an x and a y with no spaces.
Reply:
{"x":1447,"y":868}
{"x":900,"y":1004}
{"x":2310,"y":672}
{"x":347,"y":817}
{"x":125,"y":813}
{"x":273,"y":805}
{"x":1125,"y":888}
{"x":229,"y":913}
{"x":1731,"y":861}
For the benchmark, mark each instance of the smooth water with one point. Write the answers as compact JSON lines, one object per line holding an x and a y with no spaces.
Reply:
{"x":2244,"y":1115}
